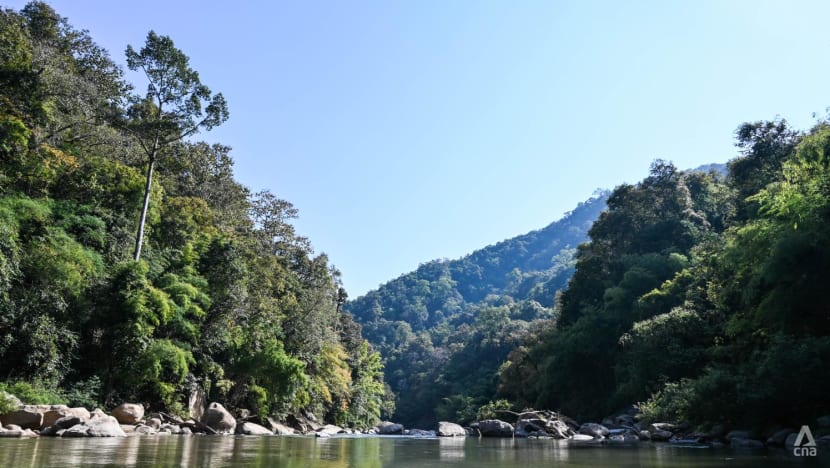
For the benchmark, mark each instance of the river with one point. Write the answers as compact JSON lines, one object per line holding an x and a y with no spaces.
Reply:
{"x":370,"y":452}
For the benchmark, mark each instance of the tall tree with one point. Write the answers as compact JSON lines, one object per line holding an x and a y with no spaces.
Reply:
{"x":176,"y":106}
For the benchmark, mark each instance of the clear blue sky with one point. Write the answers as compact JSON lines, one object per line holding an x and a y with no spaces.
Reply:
{"x":405,"y":131}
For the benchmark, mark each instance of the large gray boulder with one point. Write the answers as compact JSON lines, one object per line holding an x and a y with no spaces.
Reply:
{"x":282,"y":429}
{"x":249,"y":428}
{"x":128,"y":413}
{"x":448,"y":429}
{"x":51,"y":416}
{"x":25,"y":417}
{"x":219,"y":419}
{"x":593,"y":430}
{"x":389,"y":428}
{"x":105,"y":427}
{"x":330,"y":429}
{"x":495,"y":428}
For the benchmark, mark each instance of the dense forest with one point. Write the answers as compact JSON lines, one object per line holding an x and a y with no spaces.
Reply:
{"x":697,"y":296}
{"x":446,"y":328}
{"x":133,"y":267}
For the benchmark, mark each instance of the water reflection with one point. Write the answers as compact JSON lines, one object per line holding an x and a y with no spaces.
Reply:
{"x":369,"y":452}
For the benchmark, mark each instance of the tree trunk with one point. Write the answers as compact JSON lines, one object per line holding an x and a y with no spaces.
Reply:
{"x":139,"y":238}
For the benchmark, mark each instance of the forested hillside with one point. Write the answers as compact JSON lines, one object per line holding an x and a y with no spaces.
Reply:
{"x":700,"y":297}
{"x":132,"y":265}
{"x":445,"y":328}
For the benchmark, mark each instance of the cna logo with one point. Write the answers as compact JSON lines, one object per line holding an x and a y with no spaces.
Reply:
{"x":804,"y":448}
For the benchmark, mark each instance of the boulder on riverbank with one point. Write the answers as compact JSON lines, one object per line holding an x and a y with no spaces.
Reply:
{"x":219,"y":419}
{"x":25,"y":417}
{"x":389,"y":428}
{"x":495,"y":428}
{"x":448,"y":429}
{"x":249,"y":428}
{"x":593,"y":430}
{"x":128,"y":413}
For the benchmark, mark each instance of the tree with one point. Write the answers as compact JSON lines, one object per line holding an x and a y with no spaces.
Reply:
{"x":171,"y":110}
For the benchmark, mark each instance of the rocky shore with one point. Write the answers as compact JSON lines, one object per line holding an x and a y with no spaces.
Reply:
{"x":623,"y":428}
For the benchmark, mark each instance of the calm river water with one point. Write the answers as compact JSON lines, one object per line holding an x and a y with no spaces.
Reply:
{"x":369,"y":452}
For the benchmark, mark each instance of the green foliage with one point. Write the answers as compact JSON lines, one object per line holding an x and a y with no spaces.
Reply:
{"x":445,"y":329}
{"x":34,"y":393}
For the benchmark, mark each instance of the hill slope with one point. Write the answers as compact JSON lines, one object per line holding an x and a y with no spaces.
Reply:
{"x":445,"y":328}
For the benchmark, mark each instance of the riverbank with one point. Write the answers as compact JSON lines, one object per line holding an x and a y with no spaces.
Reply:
{"x":622,"y":428}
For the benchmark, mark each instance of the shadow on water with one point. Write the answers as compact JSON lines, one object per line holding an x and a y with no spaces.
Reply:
{"x":370,"y":452}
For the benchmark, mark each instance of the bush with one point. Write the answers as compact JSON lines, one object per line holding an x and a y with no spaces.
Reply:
{"x":34,"y":393}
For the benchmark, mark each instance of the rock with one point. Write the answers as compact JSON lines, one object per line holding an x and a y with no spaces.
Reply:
{"x":624,"y":420}
{"x":738,"y":435}
{"x":186,"y":431}
{"x":13,"y":427}
{"x":621,"y":439}
{"x":68,"y":421}
{"x":144,"y":429}
{"x":824,"y":421}
{"x":593,"y":430}
{"x":660,"y":435}
{"x":78,"y":430}
{"x":330,"y":429}
{"x":301,"y":424}
{"x":219,"y":419}
{"x":104,"y":426}
{"x":128,"y":413}
{"x":128,"y":429}
{"x":389,"y":428}
{"x":644,"y":435}
{"x":419,"y":433}
{"x":448,"y":429}
{"x":171,"y":428}
{"x":281,"y":429}
{"x":11,"y":400}
{"x":155,"y":423}
{"x":50,"y":431}
{"x":249,"y":428}
{"x":661,"y":427}
{"x":51,"y":416}
{"x":25,"y":417}
{"x":18,"y":433}
{"x":744,"y":442}
{"x":196,"y":402}
{"x":779,"y":437}
{"x":495,"y":428}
